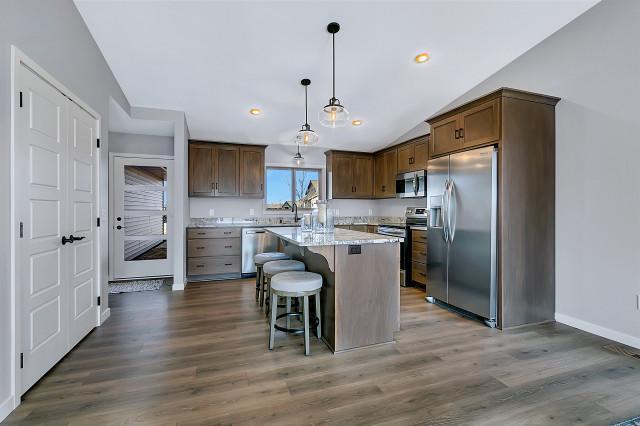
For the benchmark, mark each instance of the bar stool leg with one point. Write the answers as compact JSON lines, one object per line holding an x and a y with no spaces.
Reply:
{"x":272,"y":328}
{"x":319,"y":327}
{"x":288,"y":310}
{"x":307,"y":349}
{"x":258,"y":275}
{"x":267,"y":309}
{"x":262,"y":292}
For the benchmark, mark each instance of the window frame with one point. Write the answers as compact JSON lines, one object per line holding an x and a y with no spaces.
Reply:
{"x":293,"y":186}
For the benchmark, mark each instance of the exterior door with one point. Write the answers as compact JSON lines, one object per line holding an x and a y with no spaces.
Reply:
{"x":472,"y":250}
{"x":141,"y":217}
{"x":55,"y":197}
{"x":437,"y":246}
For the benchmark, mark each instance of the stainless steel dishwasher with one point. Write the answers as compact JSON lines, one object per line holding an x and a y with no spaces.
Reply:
{"x":254,"y":241}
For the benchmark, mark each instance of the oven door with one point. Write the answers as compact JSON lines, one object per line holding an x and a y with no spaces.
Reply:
{"x":411,"y":185}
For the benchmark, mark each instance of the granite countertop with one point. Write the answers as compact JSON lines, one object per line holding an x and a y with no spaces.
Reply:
{"x":339,"y":236}
{"x":264,"y":221}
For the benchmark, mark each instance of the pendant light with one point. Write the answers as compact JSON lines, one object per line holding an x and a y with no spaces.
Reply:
{"x":298,"y":158}
{"x":306,"y":136}
{"x":333,"y":114}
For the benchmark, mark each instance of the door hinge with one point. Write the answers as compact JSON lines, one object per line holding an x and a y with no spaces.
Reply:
{"x":98,"y":222}
{"x":98,"y":142}
{"x":98,"y":300}
{"x":20,"y":99}
{"x":21,"y":359}
{"x":21,"y":230}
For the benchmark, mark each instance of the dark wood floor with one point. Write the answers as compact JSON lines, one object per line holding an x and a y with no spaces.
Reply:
{"x":200,"y":357}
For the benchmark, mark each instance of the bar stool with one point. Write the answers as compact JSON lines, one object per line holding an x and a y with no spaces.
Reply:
{"x":295,"y":284}
{"x":259,"y":260}
{"x":274,"y":267}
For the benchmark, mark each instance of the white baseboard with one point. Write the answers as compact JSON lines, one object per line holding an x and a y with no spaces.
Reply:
{"x":177,"y":287}
{"x":6,"y":407}
{"x":599,"y":330}
{"x":104,"y":315}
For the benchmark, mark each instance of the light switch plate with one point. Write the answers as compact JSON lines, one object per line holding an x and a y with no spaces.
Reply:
{"x":212,"y":212}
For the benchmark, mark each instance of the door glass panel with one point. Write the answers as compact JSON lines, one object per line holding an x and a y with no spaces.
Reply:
{"x":136,"y":250}
{"x":145,"y":225}
{"x":145,"y":175}
{"x":145,"y":200}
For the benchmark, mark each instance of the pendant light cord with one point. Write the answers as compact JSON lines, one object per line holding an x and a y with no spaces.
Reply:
{"x":333,"y":37}
{"x":306,"y":120}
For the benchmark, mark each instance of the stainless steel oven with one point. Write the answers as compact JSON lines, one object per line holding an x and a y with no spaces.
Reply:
{"x":397,"y":230}
{"x":411,"y":185}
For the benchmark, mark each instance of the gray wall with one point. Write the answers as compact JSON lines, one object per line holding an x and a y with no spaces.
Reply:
{"x":128,"y":143}
{"x":53,"y":34}
{"x":593,"y":64}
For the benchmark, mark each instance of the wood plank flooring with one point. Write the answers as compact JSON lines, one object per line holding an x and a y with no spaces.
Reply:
{"x":200,"y":357}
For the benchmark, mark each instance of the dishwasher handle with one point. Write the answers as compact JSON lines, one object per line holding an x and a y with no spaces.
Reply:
{"x":256,"y":231}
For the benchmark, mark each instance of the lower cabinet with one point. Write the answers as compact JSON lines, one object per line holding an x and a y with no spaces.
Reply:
{"x":214,"y":253}
{"x":419,"y":256}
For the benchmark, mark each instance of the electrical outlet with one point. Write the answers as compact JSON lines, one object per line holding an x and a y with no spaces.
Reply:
{"x":212,"y":212}
{"x":252,"y":212}
{"x":370,"y":212}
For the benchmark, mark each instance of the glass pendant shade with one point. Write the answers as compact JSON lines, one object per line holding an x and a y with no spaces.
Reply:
{"x":298,"y":158}
{"x":333,"y":115}
{"x":306,"y":137}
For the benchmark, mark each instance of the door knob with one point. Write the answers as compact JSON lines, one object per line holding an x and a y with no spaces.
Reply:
{"x":118,"y":219}
{"x":71,"y":239}
{"x":118,"y":227}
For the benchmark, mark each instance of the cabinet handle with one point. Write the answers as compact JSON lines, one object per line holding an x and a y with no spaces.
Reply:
{"x":260,"y":187}
{"x":199,"y":248}
{"x":202,"y":233}
{"x":461,"y":133}
{"x":228,"y":246}
{"x":199,"y":266}
{"x":383,"y":188}
{"x":228,"y":264}
{"x":227,"y":232}
{"x":457,"y":134}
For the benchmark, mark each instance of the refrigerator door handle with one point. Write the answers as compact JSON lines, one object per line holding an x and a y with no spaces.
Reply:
{"x":445,"y":212}
{"x":452,"y":211}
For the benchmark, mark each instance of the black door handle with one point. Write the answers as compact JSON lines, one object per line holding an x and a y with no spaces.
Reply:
{"x":71,"y":239}
{"x":118,"y":219}
{"x":118,"y":227}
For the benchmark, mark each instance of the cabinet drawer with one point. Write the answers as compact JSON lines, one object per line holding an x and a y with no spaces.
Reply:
{"x":418,"y":252}
{"x":201,"y":247}
{"x":419,"y":236}
{"x":214,"y":265}
{"x":213,"y":233}
{"x":419,"y":272}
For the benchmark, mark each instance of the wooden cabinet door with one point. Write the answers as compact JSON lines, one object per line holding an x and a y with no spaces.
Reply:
{"x":481,"y":125}
{"x":251,"y":172}
{"x":201,"y":181}
{"x":380,"y":175}
{"x":363,"y":177}
{"x":421,"y":154}
{"x":341,"y":176}
{"x":391,"y":171}
{"x":405,"y":158}
{"x":443,"y":136}
{"x":227,"y":171}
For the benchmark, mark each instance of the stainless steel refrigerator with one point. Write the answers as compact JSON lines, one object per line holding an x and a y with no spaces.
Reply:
{"x":462,"y":197}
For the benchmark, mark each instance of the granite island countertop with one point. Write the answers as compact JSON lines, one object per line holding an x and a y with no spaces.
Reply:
{"x":271,"y":221}
{"x":294,"y":235}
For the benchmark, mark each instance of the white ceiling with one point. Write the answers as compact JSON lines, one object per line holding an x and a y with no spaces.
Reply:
{"x":215,"y":60}
{"x":120,"y":121}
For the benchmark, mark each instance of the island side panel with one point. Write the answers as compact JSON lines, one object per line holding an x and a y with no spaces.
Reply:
{"x":367,"y":295}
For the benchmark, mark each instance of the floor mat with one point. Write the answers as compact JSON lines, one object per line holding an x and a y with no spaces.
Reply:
{"x":137,"y":285}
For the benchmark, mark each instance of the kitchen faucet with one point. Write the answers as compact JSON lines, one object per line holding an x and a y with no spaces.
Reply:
{"x":294,"y":209}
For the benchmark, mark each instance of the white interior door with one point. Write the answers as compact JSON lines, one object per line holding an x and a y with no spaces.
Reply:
{"x":83,"y":204}
{"x":55,"y":196}
{"x":141,"y":217}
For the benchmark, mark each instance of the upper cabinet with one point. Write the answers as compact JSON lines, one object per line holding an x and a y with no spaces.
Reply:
{"x":413,"y":155}
{"x":225,"y":170}
{"x":385,"y":171}
{"x":476,"y":125}
{"x":349,"y":174}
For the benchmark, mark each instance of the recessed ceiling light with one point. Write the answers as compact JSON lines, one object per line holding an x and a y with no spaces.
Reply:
{"x":422,"y":57}
{"x":356,"y":122}
{"x":255,"y":111}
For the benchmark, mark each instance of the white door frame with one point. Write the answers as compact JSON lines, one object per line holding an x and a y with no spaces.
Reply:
{"x":18,"y":60}
{"x":112,"y":156}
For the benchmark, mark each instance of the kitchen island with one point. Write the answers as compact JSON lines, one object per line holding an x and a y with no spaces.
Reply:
{"x":361,"y":290}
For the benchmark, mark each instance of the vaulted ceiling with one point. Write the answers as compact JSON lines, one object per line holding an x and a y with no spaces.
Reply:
{"x":215,"y":60}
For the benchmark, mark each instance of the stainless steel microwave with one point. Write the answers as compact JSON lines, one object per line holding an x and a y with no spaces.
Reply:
{"x":411,"y":185}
